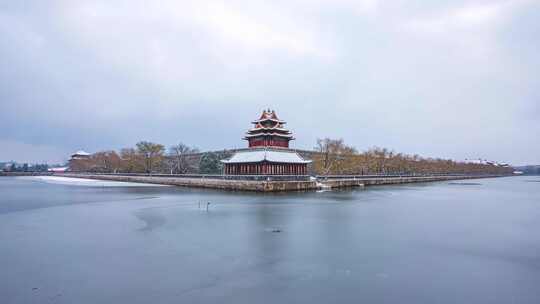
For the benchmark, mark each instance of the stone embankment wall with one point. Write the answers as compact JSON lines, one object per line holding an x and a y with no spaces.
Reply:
{"x":242,"y":185}
{"x":271,"y":186}
{"x":25,"y":173}
{"x":385,"y":180}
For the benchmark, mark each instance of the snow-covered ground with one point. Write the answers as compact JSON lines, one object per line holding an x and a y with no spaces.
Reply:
{"x":84,"y":182}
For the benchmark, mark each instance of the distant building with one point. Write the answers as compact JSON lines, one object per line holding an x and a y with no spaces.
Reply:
{"x":80,"y":155}
{"x":79,"y":161}
{"x":5,"y":166}
{"x":268,"y":152}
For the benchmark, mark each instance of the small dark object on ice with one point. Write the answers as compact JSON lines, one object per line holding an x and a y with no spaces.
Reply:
{"x":35,"y":288}
{"x":276,"y":230}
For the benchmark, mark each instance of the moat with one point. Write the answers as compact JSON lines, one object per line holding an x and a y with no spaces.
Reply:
{"x":472,"y":241}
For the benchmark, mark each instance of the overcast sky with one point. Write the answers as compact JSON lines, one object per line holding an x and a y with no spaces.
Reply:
{"x":452,"y":79}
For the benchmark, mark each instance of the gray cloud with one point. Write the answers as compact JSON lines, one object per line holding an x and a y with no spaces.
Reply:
{"x":456,"y":79}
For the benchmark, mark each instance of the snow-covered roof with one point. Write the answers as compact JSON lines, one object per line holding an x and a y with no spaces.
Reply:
{"x":269,"y":129}
{"x":269,"y":134}
{"x":268,"y":115}
{"x":269,"y":119}
{"x":81,"y":153}
{"x":267,"y":155}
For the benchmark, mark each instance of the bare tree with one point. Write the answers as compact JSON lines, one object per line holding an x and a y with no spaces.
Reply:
{"x":178,"y":154}
{"x":131,"y":160}
{"x":335,"y":156}
{"x":151,"y":154}
{"x":105,"y":161}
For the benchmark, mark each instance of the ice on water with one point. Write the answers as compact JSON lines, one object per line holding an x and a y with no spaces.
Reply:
{"x":84,"y":182}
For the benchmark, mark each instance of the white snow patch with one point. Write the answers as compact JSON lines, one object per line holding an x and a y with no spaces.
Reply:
{"x":323,"y":187}
{"x":84,"y":182}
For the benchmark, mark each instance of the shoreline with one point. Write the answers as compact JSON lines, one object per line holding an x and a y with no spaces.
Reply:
{"x":274,"y":185}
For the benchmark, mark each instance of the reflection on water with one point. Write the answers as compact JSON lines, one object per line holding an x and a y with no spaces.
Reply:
{"x":459,"y":242}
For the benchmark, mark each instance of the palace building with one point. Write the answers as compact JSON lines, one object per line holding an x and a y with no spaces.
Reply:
{"x":80,"y":155}
{"x":79,"y":161}
{"x":269,"y":152}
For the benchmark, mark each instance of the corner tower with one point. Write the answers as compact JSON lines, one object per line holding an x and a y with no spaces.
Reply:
{"x":268,"y":152}
{"x":268,"y":131}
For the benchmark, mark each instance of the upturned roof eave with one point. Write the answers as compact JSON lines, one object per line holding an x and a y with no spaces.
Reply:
{"x":269,"y":134}
{"x":269,"y":129}
{"x":268,"y":119}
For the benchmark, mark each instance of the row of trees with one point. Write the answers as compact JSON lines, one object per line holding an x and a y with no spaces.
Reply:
{"x":331,"y":156}
{"x":145,"y":157}
{"x":14,"y":167}
{"x":148,"y":157}
{"x":335,"y":157}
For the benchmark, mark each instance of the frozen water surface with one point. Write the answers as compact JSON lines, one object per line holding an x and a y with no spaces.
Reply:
{"x":65,"y":242}
{"x":83,"y":181}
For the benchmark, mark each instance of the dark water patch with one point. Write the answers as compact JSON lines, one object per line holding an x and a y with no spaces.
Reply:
{"x":151,"y":219}
{"x":464,"y":184}
{"x":273,"y":230}
{"x":532,"y":181}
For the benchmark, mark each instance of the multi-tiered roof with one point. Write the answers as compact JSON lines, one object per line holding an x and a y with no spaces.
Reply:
{"x":268,"y":152}
{"x":268,"y":131}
